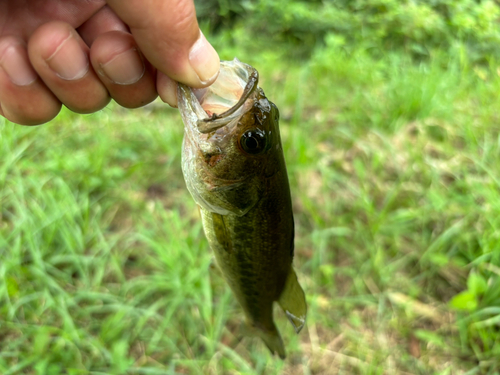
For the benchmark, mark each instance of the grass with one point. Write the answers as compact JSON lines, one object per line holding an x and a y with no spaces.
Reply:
{"x":394,"y":170}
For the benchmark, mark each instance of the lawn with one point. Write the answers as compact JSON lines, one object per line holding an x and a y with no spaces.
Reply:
{"x":394,"y":166}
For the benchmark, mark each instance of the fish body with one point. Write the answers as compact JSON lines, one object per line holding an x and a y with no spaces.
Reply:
{"x":235,"y":170}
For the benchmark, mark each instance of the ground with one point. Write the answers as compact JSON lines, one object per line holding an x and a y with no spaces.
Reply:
{"x":394,"y":171}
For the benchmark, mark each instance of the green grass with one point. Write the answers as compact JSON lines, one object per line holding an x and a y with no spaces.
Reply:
{"x":394,"y":168}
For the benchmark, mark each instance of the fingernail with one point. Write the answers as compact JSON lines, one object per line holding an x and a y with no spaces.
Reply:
{"x":204,"y":60}
{"x":68,"y":61}
{"x":18,"y":69}
{"x":125,"y":68}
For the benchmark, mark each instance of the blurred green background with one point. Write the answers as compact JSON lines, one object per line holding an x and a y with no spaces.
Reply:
{"x":391,"y":129}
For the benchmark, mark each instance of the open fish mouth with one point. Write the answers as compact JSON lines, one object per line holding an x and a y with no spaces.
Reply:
{"x":225,"y":100}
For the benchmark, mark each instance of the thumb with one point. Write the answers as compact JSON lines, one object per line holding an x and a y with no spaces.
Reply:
{"x":168,"y":35}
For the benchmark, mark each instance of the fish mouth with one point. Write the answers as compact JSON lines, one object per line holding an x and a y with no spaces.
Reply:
{"x":224,"y":101}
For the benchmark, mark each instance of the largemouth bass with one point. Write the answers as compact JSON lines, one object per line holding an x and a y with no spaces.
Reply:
{"x":235,"y":170}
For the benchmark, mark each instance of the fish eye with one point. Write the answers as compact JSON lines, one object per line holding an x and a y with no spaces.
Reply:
{"x":253,"y":141}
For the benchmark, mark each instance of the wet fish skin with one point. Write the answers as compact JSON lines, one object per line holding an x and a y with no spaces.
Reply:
{"x":246,"y":209}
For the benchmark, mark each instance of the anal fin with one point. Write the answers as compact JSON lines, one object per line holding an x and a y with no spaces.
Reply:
{"x":273,"y":342}
{"x":293,"y":301}
{"x":271,"y":337}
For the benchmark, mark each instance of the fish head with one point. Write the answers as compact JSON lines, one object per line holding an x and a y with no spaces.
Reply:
{"x":231,"y":133}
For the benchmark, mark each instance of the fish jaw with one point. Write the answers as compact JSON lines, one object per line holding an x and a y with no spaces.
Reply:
{"x":225,"y":100}
{"x":197,"y":147}
{"x":191,"y":112}
{"x":219,"y":106}
{"x":215,"y":169}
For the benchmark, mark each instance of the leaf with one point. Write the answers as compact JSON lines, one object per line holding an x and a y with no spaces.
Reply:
{"x":430,"y":337}
{"x":476,"y":284}
{"x":438,"y":259}
{"x":12,"y":287}
{"x":464,"y":301}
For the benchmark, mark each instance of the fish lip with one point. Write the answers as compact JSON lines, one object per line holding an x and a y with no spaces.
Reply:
{"x":205,"y":124}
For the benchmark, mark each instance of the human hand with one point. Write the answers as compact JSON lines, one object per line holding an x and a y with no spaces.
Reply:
{"x":83,"y":53}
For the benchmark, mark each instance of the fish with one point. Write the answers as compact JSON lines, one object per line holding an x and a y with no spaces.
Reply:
{"x":234,"y":168}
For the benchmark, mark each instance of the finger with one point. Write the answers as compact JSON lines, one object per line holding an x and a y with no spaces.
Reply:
{"x":60,"y":58}
{"x":121,"y":67}
{"x":24,"y":99}
{"x":167,"y":89}
{"x":25,"y":17}
{"x":168,"y":34}
{"x":103,"y":21}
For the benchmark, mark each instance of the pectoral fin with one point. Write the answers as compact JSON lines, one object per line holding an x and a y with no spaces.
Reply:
{"x":221,"y":232}
{"x":293,"y":301}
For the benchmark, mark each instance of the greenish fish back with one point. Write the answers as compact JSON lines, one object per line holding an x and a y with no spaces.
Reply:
{"x":293,"y":301}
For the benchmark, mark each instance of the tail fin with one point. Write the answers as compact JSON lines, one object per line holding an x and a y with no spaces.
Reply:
{"x":293,"y":301}
{"x":271,"y":338}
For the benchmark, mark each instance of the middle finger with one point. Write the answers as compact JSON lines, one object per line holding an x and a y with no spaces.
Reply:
{"x":61,"y":59}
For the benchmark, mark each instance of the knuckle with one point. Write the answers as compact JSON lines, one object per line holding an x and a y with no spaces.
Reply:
{"x":184,"y":16}
{"x":9,"y":41}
